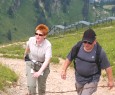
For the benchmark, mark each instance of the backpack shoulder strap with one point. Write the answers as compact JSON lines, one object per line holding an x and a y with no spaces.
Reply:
{"x":97,"y":60}
{"x":77,"y":47}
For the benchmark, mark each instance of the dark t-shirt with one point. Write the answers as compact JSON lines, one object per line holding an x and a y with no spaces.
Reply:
{"x":84,"y":68}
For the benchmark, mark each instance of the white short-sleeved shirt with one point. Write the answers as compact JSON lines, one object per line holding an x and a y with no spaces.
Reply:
{"x":39,"y":52}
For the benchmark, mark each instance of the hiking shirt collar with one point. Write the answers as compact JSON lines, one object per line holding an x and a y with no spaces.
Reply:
{"x":41,"y":44}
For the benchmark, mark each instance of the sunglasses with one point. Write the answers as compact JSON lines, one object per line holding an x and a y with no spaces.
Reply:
{"x":87,"y":42}
{"x":39,"y":34}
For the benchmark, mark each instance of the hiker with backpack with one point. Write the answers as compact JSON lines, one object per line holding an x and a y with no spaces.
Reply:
{"x":89,"y":59}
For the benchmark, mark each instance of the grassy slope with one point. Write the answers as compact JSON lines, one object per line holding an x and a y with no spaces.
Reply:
{"x":7,"y":76}
{"x":24,"y":22}
{"x":61,"y":46}
{"x":22,"y":25}
{"x":105,"y":37}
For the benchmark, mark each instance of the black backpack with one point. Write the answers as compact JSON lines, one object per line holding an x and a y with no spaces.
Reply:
{"x":97,"y":60}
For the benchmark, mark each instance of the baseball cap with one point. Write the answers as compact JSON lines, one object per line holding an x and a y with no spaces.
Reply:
{"x":89,"y":35}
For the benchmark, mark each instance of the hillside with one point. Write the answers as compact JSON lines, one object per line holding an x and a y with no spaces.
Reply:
{"x":61,"y":44}
{"x":18,"y":18}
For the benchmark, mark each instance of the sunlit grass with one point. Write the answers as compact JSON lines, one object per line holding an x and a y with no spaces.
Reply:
{"x":13,"y":51}
{"x":62,"y":44}
{"x":7,"y":76}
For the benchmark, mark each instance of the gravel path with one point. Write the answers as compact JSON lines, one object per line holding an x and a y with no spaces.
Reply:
{"x":54,"y":82}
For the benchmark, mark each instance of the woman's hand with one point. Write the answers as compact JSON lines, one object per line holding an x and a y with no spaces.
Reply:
{"x":37,"y":74}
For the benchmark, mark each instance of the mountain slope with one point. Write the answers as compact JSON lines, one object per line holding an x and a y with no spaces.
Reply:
{"x":18,"y":18}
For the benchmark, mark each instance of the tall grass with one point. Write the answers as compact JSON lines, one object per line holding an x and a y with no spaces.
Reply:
{"x":7,"y":76}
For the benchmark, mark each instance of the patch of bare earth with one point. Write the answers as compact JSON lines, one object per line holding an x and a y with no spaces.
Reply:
{"x":55,"y":85}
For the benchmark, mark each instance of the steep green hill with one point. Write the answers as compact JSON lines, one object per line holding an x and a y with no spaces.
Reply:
{"x":18,"y":18}
{"x":20,"y":23}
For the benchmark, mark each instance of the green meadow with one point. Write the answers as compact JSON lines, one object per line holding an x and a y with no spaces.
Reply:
{"x":62,"y":44}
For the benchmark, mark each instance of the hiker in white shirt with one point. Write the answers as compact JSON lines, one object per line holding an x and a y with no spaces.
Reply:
{"x":39,"y":52}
